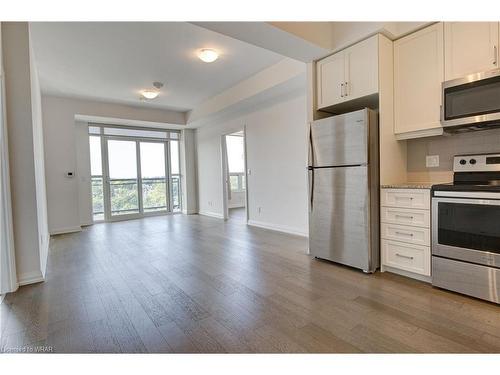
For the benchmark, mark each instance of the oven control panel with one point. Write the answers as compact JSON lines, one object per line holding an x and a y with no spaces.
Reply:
{"x":476,"y":163}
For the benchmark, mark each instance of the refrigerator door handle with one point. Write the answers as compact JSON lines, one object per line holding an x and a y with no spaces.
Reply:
{"x":311,"y":188}
{"x":311,"y":168}
{"x":311,"y":147}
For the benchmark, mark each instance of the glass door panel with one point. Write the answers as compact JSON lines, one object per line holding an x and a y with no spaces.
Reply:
{"x":123,"y":181}
{"x":175,"y":176}
{"x":153,"y":176}
{"x":97,"y":179}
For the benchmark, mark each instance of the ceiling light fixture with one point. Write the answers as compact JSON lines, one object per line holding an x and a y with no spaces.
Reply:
{"x":150,"y":93}
{"x":208,"y":55}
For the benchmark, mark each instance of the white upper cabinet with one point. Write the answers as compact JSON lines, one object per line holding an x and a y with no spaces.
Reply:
{"x":418,"y":74}
{"x":331,"y":79}
{"x":348,"y":74}
{"x":361,"y":67}
{"x":470,"y":47}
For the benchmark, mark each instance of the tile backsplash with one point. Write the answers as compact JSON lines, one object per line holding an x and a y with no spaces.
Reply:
{"x":447,"y":146}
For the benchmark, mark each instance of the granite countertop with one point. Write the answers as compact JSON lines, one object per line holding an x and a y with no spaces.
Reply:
{"x":408,"y":185}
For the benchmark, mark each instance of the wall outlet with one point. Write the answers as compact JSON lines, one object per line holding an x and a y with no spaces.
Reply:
{"x":432,"y":161}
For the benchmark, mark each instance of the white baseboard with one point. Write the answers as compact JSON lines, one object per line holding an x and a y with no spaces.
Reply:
{"x":189,"y":212}
{"x":66,"y":230}
{"x":30,"y":278}
{"x":237,"y":206}
{"x":409,"y":274}
{"x":277,"y":228}
{"x":211,"y":214}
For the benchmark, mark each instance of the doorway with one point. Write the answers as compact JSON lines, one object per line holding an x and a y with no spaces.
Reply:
{"x":234,"y":176}
{"x":134,"y":172}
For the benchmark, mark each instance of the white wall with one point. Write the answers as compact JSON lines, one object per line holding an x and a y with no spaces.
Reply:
{"x":26,"y":170}
{"x":66,"y":149}
{"x":277,"y":157}
{"x":237,"y":199}
{"x":8,"y":274}
{"x":348,"y":33}
{"x":188,"y":172}
{"x":38,"y":151}
{"x":82,"y":150}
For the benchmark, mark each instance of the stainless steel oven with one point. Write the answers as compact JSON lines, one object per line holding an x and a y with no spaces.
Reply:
{"x":472,"y":102}
{"x":466,"y":229}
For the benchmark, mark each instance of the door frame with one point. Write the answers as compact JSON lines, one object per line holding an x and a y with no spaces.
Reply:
{"x":225,"y":174}
{"x":108,"y":217}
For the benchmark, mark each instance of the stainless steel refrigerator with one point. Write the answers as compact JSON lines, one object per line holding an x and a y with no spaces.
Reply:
{"x":344,"y":189}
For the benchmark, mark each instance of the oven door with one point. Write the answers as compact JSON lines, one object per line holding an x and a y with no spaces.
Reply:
{"x":466,"y":229}
{"x":471,"y":100}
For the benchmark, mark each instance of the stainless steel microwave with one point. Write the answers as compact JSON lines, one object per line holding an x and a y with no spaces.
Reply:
{"x":472,"y":102}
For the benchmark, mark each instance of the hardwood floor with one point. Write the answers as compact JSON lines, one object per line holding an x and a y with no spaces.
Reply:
{"x":189,"y":284}
{"x":238,"y":213}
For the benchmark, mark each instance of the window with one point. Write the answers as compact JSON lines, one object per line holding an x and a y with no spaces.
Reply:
{"x":134,"y":171}
{"x":236,"y":162}
{"x":235,"y":153}
{"x":154,"y":181}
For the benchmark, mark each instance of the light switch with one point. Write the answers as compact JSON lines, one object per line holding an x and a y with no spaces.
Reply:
{"x":432,"y":161}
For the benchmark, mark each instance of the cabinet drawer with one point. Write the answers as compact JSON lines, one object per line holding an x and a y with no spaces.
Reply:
{"x":404,"y":233}
{"x":408,"y":198}
{"x":405,"y":216}
{"x":408,"y":257}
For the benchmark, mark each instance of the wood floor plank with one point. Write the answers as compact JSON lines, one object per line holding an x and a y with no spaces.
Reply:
{"x":194,"y":284}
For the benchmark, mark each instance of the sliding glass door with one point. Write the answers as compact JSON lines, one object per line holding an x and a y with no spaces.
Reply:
{"x":122,"y":181}
{"x":134,"y":173}
{"x":154,"y":176}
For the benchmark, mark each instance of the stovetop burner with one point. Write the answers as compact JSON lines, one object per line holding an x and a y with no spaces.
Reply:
{"x":479,"y":172}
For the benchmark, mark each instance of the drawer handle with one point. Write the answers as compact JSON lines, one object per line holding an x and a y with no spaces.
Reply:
{"x":405,"y":234}
{"x":404,"y":256}
{"x":410,"y":198}
{"x":405,"y":216}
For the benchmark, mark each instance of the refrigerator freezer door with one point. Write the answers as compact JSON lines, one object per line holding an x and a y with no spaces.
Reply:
{"x":339,"y":140}
{"x":339,"y":224}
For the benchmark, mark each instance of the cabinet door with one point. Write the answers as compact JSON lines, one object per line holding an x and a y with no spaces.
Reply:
{"x":361,"y":66}
{"x":418,"y":74}
{"x":470,"y":47}
{"x":330,"y":75}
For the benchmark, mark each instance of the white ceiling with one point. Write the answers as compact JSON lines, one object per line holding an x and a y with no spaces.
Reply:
{"x":113,"y":61}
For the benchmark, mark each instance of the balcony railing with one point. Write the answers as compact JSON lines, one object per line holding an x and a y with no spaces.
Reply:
{"x":124,"y":195}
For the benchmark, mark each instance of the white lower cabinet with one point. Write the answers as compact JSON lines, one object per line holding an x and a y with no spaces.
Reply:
{"x":408,"y":257}
{"x":405,"y":216}
{"x":405,"y":232}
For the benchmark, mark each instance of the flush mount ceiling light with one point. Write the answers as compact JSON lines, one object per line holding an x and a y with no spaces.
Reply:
{"x":149,"y":94}
{"x":208,"y":55}
{"x":152,"y":93}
